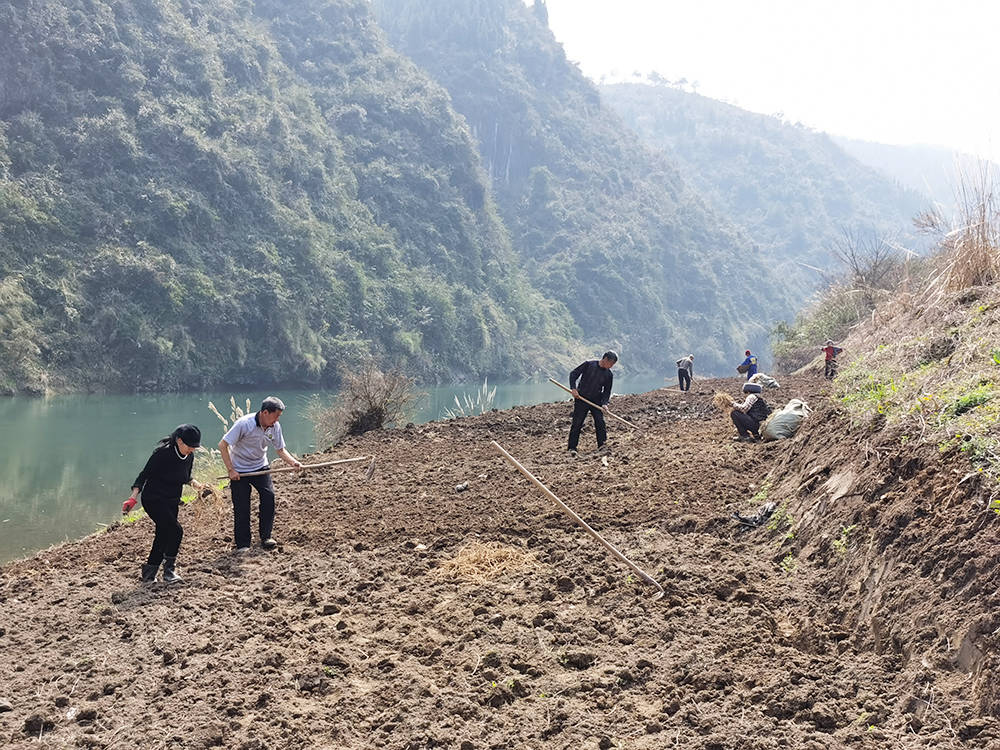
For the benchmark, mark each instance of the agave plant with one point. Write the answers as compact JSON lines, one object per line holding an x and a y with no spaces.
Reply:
{"x":479,"y":402}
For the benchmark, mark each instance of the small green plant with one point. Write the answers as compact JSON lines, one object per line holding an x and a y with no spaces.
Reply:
{"x":781,"y":520}
{"x":789,"y":564}
{"x":969,"y":401}
{"x":840,"y":544}
{"x":995,"y":355}
{"x":761,"y":496}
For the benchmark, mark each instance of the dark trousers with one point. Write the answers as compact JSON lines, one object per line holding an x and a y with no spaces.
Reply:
{"x":580,"y":410}
{"x":684,"y":378}
{"x":745,"y":424}
{"x":240,"y":490}
{"x":167,"y":539}
{"x":830,"y":368}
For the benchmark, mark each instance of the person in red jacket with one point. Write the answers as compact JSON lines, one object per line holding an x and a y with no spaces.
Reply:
{"x":830,"y":364}
{"x":160,"y":482}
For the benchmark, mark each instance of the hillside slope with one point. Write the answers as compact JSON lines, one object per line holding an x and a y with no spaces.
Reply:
{"x":933,"y":170}
{"x":403,"y":613}
{"x":601,"y":222}
{"x":792,"y":189}
{"x":197,"y":193}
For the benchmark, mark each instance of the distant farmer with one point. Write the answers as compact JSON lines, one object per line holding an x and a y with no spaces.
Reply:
{"x":685,"y":369}
{"x":830,"y":365}
{"x":595,"y":380}
{"x":748,"y":415}
{"x":161,"y":481}
{"x":748,"y":365}
{"x":244,"y":450}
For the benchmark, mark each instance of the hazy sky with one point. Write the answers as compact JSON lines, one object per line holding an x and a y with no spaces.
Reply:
{"x":919,"y":71}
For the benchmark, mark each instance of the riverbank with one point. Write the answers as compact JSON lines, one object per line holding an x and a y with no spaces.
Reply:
{"x":406,"y":612}
{"x":75,"y":456}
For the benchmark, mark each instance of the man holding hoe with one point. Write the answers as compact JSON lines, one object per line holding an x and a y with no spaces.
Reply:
{"x":244,"y":450}
{"x":595,"y":381}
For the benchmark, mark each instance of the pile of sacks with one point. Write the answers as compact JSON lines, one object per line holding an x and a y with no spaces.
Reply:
{"x":785,"y":422}
{"x":765,"y":380}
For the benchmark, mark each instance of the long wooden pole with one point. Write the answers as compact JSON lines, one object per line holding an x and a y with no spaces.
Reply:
{"x":602,"y":408}
{"x":643,"y":575}
{"x":304,"y":466}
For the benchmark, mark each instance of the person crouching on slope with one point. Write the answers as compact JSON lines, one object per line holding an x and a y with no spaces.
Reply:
{"x":596,"y":379}
{"x":748,"y":415}
{"x":161,"y":482}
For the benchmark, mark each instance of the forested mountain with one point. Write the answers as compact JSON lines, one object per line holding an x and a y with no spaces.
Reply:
{"x":794,"y":190}
{"x":199,"y":192}
{"x":601,"y":222}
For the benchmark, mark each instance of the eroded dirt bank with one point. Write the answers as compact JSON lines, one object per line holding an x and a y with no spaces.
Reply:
{"x":361,"y":633}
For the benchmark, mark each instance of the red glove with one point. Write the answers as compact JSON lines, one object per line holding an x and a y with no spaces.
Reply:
{"x":128,"y":505}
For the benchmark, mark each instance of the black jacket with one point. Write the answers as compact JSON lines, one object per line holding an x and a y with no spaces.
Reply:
{"x":164,"y":475}
{"x":595,"y":382}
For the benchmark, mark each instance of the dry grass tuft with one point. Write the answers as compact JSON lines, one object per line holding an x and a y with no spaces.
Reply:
{"x":722,"y":401}
{"x":970,"y":252}
{"x":482,"y":562}
{"x":207,"y":504}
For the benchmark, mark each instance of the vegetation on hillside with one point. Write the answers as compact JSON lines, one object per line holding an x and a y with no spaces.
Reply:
{"x":601,"y":222}
{"x":239,"y":192}
{"x":923,"y":362}
{"x":794,"y":190}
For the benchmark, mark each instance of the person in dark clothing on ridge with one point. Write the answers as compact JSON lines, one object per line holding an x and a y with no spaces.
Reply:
{"x":595,"y":381}
{"x":685,"y":369}
{"x":748,"y":415}
{"x":161,"y":481}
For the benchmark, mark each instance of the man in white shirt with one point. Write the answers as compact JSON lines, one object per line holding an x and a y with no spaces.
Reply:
{"x":244,"y":450}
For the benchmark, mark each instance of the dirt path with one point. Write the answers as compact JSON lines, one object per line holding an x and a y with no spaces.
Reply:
{"x":360,"y":632}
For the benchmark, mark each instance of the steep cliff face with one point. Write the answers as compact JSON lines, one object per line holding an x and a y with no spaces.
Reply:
{"x":602,"y":223}
{"x":242,"y":192}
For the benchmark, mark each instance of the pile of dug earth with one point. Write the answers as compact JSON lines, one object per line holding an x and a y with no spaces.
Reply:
{"x":447,"y":603}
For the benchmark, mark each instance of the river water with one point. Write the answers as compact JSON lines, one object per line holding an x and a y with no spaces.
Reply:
{"x":67,"y":462}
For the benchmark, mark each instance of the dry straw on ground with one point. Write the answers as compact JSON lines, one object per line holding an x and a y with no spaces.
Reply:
{"x":482,"y":562}
{"x":722,"y":401}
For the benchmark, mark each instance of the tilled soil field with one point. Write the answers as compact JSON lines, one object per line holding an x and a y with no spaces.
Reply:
{"x":447,"y":603}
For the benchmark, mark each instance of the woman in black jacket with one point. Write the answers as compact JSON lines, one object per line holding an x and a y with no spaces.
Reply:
{"x":160,"y":482}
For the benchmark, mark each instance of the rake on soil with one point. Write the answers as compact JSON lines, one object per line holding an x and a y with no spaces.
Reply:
{"x":368,"y":472}
{"x":602,"y":408}
{"x":643,"y":575}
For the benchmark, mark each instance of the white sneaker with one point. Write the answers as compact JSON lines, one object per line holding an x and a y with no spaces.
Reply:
{"x":241,"y":550}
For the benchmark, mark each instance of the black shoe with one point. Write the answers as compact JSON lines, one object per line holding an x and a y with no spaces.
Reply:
{"x":169,"y":574}
{"x":269,"y":543}
{"x":149,"y":572}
